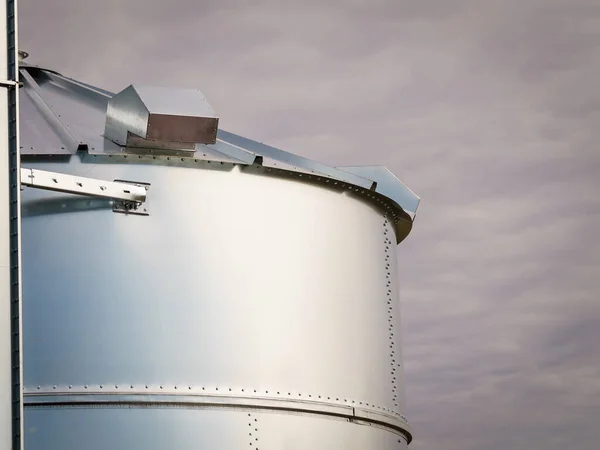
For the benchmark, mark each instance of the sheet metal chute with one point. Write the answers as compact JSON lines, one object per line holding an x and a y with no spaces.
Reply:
{"x":150,"y":117}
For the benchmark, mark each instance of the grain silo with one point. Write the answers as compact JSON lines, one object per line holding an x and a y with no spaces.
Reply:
{"x":188,"y":288}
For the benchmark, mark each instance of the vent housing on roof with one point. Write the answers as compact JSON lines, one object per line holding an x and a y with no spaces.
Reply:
{"x":160,"y":118}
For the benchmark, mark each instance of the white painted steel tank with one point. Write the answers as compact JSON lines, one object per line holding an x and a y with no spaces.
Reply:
{"x":250,"y":301}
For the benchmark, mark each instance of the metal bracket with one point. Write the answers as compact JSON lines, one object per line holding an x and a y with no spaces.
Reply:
{"x":129,"y":197}
{"x":8,"y":83}
{"x":129,"y":206}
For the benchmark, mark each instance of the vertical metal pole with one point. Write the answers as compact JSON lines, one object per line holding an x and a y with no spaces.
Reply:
{"x":11,"y":399}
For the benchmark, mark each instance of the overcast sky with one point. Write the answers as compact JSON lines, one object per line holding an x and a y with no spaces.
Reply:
{"x":488,"y":109}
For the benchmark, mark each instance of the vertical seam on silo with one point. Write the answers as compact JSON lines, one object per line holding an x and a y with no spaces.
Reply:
{"x":390,"y":311}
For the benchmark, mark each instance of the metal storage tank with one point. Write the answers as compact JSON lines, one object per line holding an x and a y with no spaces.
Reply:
{"x":188,"y":288}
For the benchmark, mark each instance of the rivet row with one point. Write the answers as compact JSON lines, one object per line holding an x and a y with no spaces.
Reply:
{"x":253,"y":430}
{"x":216,"y":389}
{"x":390,"y":299}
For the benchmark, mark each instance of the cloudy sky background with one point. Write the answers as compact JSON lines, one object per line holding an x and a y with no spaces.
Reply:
{"x":488,"y":109}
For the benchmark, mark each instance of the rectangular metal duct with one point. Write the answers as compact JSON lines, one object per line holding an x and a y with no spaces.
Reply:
{"x":160,"y":118}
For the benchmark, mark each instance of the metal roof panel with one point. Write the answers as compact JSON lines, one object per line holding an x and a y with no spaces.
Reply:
{"x":298,"y":162}
{"x":388,"y":185}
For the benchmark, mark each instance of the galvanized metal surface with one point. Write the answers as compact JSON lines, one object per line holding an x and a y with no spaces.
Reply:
{"x":126,"y":114}
{"x":81,"y":112}
{"x":171,"y":428}
{"x":50,"y":117}
{"x":239,"y":292}
{"x":293,"y":160}
{"x":256,"y":306}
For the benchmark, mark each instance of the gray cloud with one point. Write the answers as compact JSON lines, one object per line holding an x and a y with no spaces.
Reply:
{"x":488,"y":110}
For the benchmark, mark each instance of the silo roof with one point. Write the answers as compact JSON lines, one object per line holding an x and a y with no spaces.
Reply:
{"x":63,"y":116}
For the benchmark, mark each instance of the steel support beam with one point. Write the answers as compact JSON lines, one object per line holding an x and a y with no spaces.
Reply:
{"x":91,"y":187}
